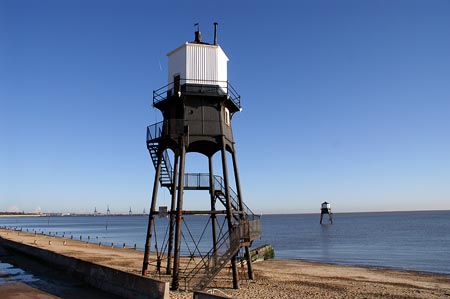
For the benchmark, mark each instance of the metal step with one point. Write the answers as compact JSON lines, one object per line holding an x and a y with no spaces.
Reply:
{"x":165,"y":178}
{"x":223,"y":260}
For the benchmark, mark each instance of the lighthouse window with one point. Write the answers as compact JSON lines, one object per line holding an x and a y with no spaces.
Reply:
{"x":227,"y":116}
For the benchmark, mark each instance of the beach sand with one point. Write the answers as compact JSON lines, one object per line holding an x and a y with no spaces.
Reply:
{"x":274,"y":278}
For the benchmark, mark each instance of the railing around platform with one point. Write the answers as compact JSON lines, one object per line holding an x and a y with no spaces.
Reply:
{"x":197,"y":87}
{"x":165,"y":128}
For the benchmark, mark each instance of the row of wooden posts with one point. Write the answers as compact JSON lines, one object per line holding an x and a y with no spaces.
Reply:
{"x":62,"y":236}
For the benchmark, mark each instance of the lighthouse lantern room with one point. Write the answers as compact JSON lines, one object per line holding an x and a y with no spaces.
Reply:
{"x":198,"y":63}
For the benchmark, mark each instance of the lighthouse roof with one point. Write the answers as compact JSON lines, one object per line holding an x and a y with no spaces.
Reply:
{"x":194,"y":44}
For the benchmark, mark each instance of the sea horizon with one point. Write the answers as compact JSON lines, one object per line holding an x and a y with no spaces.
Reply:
{"x":405,"y":240}
{"x":74,"y":214}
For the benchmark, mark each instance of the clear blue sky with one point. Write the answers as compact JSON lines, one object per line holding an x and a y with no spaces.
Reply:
{"x":344,"y":101}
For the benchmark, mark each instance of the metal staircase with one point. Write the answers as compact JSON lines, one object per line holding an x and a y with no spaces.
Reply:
{"x":246,"y":225}
{"x":154,"y":132}
{"x":214,"y":261}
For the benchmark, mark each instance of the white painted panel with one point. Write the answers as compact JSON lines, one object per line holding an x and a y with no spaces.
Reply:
{"x":201,"y":64}
{"x":198,"y":63}
{"x":326,"y":206}
{"x":177,"y":63}
{"x":222,"y":61}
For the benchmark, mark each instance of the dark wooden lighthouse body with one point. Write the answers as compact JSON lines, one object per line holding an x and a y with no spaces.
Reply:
{"x":197,"y":107}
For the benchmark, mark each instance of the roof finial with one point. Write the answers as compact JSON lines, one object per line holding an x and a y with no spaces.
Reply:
{"x":198,"y":34}
{"x":215,"y":33}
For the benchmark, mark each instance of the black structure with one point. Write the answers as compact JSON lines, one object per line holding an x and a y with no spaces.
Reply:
{"x":197,"y":113}
{"x":326,"y":209}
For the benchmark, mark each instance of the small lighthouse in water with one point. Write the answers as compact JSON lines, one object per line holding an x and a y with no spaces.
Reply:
{"x":326,"y":209}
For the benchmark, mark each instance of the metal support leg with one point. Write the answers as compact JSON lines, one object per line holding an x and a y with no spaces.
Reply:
{"x":151,"y":215}
{"x":229,"y":212}
{"x":213,"y":204}
{"x":178,"y":223}
{"x":241,"y":207}
{"x":172,"y":217}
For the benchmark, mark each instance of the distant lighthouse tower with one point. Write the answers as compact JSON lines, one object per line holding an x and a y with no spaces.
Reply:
{"x":197,"y":106}
{"x":326,"y":209}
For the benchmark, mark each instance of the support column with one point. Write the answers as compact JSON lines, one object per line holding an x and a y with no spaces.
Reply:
{"x":151,"y":216}
{"x":326,"y":211}
{"x":178,"y":222}
{"x":229,"y":211}
{"x":172,"y":217}
{"x":213,"y":204}
{"x":241,"y":207}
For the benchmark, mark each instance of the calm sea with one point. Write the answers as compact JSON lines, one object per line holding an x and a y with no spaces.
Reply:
{"x":401,"y":240}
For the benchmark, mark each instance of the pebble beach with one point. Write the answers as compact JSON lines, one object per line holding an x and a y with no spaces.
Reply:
{"x":273,"y":278}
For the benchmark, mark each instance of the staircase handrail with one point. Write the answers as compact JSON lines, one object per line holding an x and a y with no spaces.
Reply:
{"x":154,"y":132}
{"x":219,"y":181}
{"x":232,"y":244}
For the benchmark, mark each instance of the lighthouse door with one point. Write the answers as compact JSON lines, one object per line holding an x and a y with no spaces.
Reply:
{"x":176,"y":84}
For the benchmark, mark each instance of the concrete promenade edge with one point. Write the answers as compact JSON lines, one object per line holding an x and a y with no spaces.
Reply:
{"x":110,"y":280}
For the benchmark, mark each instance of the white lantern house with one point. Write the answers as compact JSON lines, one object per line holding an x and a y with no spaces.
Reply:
{"x":198,"y":64}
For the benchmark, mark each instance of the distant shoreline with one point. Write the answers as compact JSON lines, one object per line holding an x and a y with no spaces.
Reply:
{"x":20,"y":215}
{"x":5,"y":214}
{"x":65,"y":215}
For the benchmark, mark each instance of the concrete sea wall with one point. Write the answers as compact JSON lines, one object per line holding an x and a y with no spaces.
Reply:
{"x":263,"y":252}
{"x":114,"y":281}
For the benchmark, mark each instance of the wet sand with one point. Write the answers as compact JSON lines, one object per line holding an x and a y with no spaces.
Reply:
{"x":19,"y":290}
{"x":24,"y":277}
{"x":274,"y":278}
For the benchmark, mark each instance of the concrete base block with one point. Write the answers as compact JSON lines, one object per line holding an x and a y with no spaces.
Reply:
{"x":203,"y":295}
